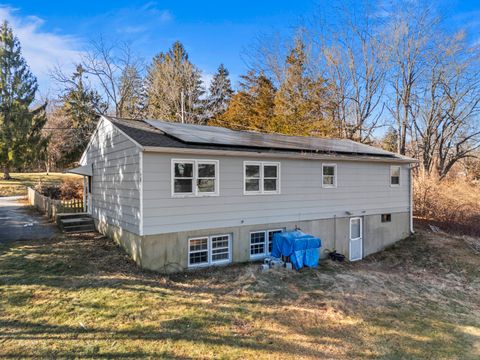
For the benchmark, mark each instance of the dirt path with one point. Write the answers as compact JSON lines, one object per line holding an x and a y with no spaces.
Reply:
{"x":17,"y":222}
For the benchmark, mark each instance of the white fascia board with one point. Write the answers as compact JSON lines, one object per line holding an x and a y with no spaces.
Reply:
{"x":302,"y":156}
{"x":100,"y":122}
{"x":140,"y":147}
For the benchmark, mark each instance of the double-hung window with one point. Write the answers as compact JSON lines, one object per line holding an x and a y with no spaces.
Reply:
{"x":261,"y":177}
{"x":329,"y":175}
{"x":394,"y":175}
{"x":194,"y":177}
{"x":209,"y":250}
{"x":261,"y":242}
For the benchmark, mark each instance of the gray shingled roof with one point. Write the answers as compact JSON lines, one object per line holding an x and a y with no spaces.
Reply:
{"x":154,"y":133}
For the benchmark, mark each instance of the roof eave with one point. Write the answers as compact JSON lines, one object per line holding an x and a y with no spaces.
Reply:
{"x":284,"y":155}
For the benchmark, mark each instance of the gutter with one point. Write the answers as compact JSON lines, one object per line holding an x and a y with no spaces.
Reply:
{"x":305,"y":156}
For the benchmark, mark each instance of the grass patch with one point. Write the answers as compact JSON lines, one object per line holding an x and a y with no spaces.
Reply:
{"x":17,"y":186}
{"x":82,"y":297}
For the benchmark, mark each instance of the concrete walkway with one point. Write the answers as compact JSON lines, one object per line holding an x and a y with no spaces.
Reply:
{"x":17,"y":222}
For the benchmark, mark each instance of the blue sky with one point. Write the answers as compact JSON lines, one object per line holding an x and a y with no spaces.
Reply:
{"x":214,"y":32}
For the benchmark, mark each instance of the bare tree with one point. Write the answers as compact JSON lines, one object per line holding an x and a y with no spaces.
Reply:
{"x":58,"y":129}
{"x":354,"y":57}
{"x":410,"y":31}
{"x":446,"y":106}
{"x":349,"y":53}
{"x":115,"y":71}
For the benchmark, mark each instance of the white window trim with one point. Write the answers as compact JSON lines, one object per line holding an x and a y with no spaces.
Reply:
{"x":195,"y":192}
{"x":261,"y":179}
{"x":399,"y":175}
{"x":266,"y":239}
{"x":265,"y":243}
{"x":190,"y":252}
{"x":209,"y":251}
{"x":328,"y":186}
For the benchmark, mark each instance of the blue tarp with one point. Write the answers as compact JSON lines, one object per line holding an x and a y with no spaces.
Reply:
{"x":303,"y":249}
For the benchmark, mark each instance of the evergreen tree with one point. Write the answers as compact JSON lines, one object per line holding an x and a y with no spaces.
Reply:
{"x":252,"y":107}
{"x":170,"y":75}
{"x":133,"y":96}
{"x":301,"y":105}
{"x":389,"y":141}
{"x":301,"y":102}
{"x":81,"y":109}
{"x":220,"y":93}
{"x":20,"y":127}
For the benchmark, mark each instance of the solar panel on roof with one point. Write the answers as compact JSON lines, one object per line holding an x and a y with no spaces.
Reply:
{"x":201,"y":134}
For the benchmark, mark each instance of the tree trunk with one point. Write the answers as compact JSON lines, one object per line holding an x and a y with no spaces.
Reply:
{"x":6,"y":165}
{"x":6,"y":172}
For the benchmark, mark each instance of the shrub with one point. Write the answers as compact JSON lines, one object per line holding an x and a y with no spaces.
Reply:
{"x":452,"y":204}
{"x":49,"y":190}
{"x":71,"y":188}
{"x":68,"y":189}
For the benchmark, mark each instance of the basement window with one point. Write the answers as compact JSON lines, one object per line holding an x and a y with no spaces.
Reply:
{"x":261,"y":242}
{"x":194,"y":178}
{"x":209,"y":250}
{"x":395,"y":175}
{"x":386,"y":218}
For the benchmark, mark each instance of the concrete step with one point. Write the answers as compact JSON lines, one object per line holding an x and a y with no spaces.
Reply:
{"x":65,"y":216}
{"x":79,"y":228}
{"x":72,"y":215}
{"x":76,"y":221}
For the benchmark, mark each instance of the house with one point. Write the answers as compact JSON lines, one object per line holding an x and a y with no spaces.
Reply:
{"x":180,"y":196}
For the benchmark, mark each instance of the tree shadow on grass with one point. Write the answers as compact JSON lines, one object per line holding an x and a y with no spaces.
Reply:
{"x":252,"y":311}
{"x":177,"y":330}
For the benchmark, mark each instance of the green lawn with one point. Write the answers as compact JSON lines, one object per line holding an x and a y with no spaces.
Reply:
{"x":81,"y":297}
{"x":17,"y":186}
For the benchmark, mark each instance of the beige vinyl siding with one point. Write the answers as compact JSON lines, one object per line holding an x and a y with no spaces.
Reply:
{"x":116,"y":178}
{"x":362,"y":189}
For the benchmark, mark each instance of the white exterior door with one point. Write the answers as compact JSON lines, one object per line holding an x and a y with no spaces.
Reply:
{"x":356,"y":239}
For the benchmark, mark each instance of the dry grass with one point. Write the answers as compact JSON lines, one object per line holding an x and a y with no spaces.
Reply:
{"x":81,"y":297}
{"x":17,"y":186}
{"x":453,"y":205}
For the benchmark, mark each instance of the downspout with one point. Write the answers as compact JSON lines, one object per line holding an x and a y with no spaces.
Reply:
{"x":410,"y":192}
{"x":140,"y":225}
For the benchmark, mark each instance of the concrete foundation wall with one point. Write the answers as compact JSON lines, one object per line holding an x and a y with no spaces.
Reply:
{"x":378,"y":235}
{"x":169,"y":252}
{"x":132,"y":243}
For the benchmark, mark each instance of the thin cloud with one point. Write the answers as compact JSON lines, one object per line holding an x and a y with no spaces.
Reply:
{"x":41,"y":49}
{"x":136,"y":20}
